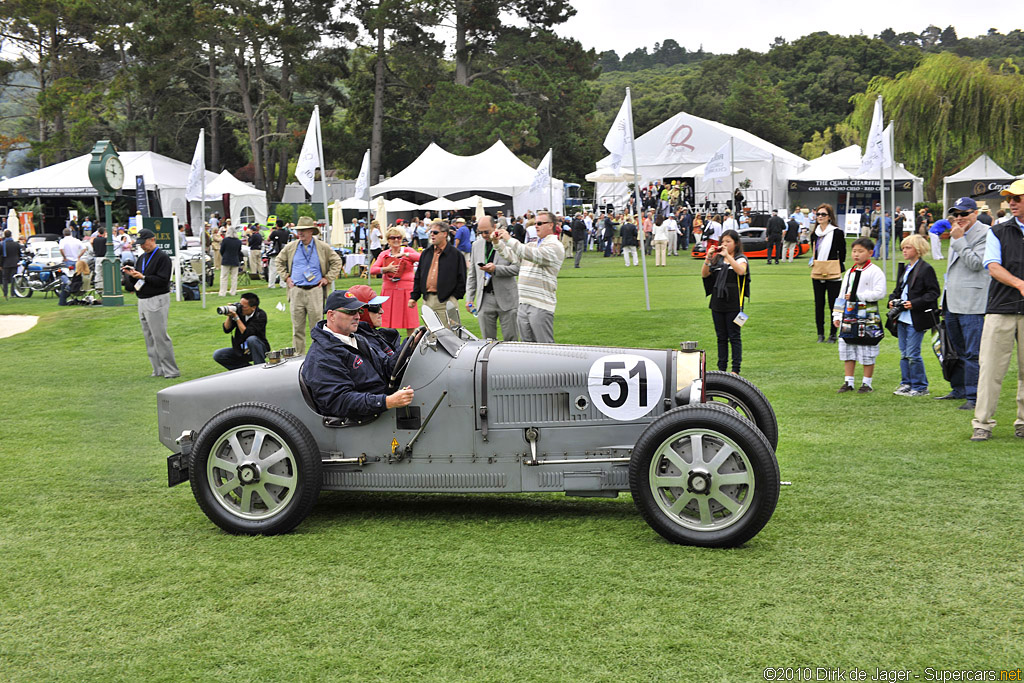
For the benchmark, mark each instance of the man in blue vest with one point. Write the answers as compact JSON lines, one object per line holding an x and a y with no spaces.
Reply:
{"x":1004,"y":316}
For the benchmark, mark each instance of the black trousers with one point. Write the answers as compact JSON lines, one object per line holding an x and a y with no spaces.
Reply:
{"x":8,"y":278}
{"x":728,"y":334}
{"x":825,"y":291}
{"x":775,"y":247}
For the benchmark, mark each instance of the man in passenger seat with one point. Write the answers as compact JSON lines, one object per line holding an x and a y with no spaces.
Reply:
{"x":345,"y":376}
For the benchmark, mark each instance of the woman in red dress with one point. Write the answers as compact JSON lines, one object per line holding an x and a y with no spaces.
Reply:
{"x":396,"y":265}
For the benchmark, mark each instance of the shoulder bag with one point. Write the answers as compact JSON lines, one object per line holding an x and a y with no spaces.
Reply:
{"x":861,"y":324}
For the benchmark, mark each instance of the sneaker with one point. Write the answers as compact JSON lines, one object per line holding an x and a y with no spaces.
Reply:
{"x":845,"y":388}
{"x":864,"y":389}
{"x":948,"y":397}
{"x":901,"y":390}
{"x":981,"y":434}
{"x":917,"y":393}
{"x":967,"y":405}
{"x":1018,"y":431}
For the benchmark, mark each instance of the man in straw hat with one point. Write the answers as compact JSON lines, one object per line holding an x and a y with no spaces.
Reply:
{"x":308,"y":266}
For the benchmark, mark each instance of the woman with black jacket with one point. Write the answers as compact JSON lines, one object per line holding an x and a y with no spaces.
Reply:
{"x":828,"y":246}
{"x":727,"y":282}
{"x":917,"y":293}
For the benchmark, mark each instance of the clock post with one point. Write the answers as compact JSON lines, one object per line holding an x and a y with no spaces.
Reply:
{"x":107,"y":175}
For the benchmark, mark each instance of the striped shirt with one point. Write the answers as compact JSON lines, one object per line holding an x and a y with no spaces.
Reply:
{"x":538,"y":272}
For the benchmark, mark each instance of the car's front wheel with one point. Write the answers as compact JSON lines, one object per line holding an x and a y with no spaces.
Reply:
{"x":703,"y":475}
{"x":255,"y":469}
{"x":745,"y":398}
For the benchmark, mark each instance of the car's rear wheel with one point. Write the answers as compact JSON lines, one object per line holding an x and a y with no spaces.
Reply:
{"x":746,"y":399}
{"x":22,"y":290}
{"x":703,"y":475}
{"x":255,"y":470}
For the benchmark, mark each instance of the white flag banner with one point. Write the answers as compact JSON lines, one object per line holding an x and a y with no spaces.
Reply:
{"x":620,"y":135}
{"x":542,"y":177}
{"x":305,"y":169}
{"x":194,"y":186}
{"x":874,"y":152}
{"x":363,"y":181}
{"x":887,"y":146}
{"x":720,"y":165}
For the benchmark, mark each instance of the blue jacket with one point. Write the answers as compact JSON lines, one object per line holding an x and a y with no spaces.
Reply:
{"x":345,"y":382}
{"x":383,"y":339}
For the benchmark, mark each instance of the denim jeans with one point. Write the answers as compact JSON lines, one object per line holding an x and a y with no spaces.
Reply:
{"x":911,"y":365}
{"x":964,"y":330}
{"x":233,"y":360}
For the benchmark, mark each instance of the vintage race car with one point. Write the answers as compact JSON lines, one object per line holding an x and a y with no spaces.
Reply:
{"x":696,"y":449}
{"x":755,"y":244}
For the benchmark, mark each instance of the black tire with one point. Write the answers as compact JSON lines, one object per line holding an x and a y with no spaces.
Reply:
{"x":705,"y":509}
{"x":746,"y":399}
{"x":21,"y":288}
{"x":282,"y":492}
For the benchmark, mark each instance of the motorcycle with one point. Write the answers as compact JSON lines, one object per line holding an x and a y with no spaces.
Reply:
{"x":38,"y":277}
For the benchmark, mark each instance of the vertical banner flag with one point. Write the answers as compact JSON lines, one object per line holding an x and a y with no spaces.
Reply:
{"x":620,"y":137}
{"x":874,"y":151}
{"x":363,"y":181}
{"x":543,"y":175}
{"x":305,"y":169}
{"x":141,"y":198}
{"x":194,"y":186}
{"x":720,"y":165}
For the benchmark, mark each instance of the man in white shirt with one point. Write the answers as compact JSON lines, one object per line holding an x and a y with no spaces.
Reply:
{"x":70,"y":248}
{"x":729,"y":223}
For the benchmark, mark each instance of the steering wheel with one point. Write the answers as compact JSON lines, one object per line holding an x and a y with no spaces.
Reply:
{"x":405,"y":355}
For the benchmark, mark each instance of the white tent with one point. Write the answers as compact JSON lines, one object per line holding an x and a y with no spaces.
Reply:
{"x":983,"y":178}
{"x":682,"y":145}
{"x":828,"y":175}
{"x":160,"y":174}
{"x":441,"y":204}
{"x":243,"y":197}
{"x":476,"y":200}
{"x":496,"y":169}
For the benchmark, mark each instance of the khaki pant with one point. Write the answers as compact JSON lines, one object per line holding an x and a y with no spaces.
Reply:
{"x":660,"y":251}
{"x":307,"y":309}
{"x":997,"y":340}
{"x":567,"y":243}
{"x":439,"y":307}
{"x":228,"y":273}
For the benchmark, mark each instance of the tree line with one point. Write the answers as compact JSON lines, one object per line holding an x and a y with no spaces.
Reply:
{"x":393,"y":76}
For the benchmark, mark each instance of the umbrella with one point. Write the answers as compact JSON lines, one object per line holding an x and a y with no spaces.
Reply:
{"x":353,"y":204}
{"x":13,"y":225}
{"x":339,"y":238}
{"x":381,"y":213}
{"x":476,"y":200}
{"x":480,"y":208}
{"x":400,"y":205}
{"x":441,"y":204}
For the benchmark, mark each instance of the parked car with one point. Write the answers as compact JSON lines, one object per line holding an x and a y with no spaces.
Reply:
{"x":755,"y":244}
{"x":695,"y":449}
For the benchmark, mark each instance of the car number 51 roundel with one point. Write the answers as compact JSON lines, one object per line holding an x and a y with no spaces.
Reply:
{"x":625,"y":386}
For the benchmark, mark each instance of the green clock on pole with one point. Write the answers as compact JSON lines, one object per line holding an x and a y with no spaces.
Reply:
{"x":106,"y":174}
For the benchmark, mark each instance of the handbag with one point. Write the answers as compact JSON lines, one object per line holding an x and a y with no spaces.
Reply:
{"x":826,"y":270}
{"x":861,"y":324}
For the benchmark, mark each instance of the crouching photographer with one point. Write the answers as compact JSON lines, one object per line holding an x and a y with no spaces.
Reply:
{"x":249,"y":343}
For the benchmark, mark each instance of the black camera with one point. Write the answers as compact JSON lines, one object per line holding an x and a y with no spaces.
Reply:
{"x":229,"y":309}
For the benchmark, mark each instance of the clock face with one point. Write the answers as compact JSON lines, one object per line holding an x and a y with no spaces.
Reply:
{"x":114,"y":172}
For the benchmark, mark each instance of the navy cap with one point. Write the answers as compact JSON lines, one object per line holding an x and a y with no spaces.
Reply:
{"x":965,"y":204}
{"x":144,"y":235}
{"x":343,"y":300}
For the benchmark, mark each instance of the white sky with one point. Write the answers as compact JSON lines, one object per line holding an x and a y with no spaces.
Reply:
{"x":623,"y":27}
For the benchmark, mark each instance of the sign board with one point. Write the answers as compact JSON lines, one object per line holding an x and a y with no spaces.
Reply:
{"x":165,"y":231}
{"x":985,"y":189}
{"x":28,"y":227}
{"x":141,"y":198}
{"x":852,"y":223}
{"x":847,"y":185}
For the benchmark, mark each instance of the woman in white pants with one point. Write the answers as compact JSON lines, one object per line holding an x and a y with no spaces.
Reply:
{"x":660,"y":242}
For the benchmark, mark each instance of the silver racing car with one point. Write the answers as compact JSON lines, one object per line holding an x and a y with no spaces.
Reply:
{"x":695,"y":449}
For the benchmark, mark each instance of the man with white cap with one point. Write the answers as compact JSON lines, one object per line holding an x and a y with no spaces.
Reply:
{"x":1004,"y":316}
{"x":308,"y":266}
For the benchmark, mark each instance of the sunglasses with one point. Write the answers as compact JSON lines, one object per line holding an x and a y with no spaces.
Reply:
{"x":374,"y":309}
{"x":960,"y":214}
{"x":823,"y":214}
{"x":435,"y":232}
{"x":1015,"y":198}
{"x":542,"y":222}
{"x":394,"y":237}
{"x":347,"y":311}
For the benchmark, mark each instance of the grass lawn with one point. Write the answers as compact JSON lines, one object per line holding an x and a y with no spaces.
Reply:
{"x":898,"y":544}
